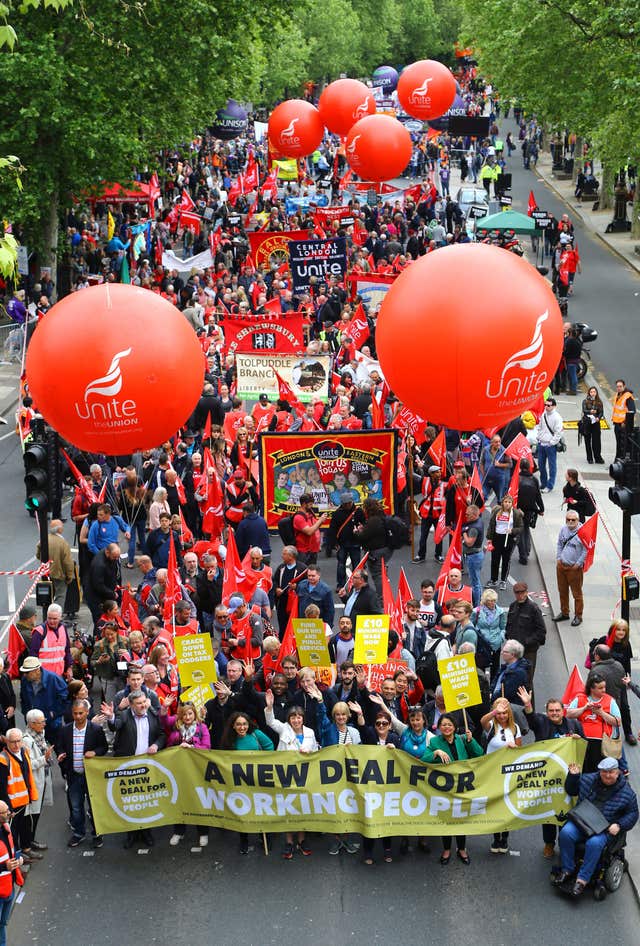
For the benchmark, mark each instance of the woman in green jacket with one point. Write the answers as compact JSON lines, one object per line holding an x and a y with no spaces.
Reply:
{"x":455,"y":748}
{"x":241,"y":733}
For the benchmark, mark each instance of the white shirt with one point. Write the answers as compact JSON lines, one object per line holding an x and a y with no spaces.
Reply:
{"x":142,"y":734}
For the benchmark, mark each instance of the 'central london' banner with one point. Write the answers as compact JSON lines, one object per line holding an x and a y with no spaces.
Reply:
{"x":360,"y":462}
{"x":364,"y":789}
{"x":317,"y":259}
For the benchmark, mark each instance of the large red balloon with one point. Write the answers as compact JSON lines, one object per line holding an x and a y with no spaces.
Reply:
{"x":378,"y":148}
{"x":343,"y":103}
{"x":295,"y":128}
{"x":426,"y":89}
{"x":471,"y":337}
{"x":115,"y":368}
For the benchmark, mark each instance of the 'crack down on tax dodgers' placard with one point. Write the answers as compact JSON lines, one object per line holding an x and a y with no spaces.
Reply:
{"x":365,"y":789}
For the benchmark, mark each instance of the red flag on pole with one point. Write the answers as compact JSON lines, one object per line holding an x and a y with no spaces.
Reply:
{"x":285,"y":393}
{"x":83,"y":484}
{"x":359,"y":567}
{"x":251,"y":175}
{"x":514,"y":482}
{"x":173,"y":589}
{"x":476,"y":483}
{"x":404,"y":592}
{"x":575,"y":686}
{"x":438,"y":452}
{"x":288,"y":647}
{"x":453,"y":559}
{"x":15,"y":648}
{"x":519,"y":449}
{"x":377,"y":412}
{"x":186,"y":202}
{"x":532,"y":205}
{"x":206,"y":433}
{"x":129,"y":611}
{"x":186,"y":535}
{"x":236,"y":190}
{"x":358,"y":328}
{"x":389,"y":605}
{"x":588,"y":533}
{"x":103,"y":491}
{"x":213,"y":518}
{"x":182,"y":496}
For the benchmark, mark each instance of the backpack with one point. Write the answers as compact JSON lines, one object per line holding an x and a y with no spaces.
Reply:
{"x":286,"y":531}
{"x":484,"y":654}
{"x":397,"y":532}
{"x":427,"y":666}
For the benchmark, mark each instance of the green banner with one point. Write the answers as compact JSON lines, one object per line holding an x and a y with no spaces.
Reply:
{"x":365,"y":789}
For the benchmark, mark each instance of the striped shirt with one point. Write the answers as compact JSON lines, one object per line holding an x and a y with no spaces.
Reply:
{"x":78,"y":748}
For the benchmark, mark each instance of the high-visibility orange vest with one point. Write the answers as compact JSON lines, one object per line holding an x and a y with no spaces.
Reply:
{"x":181,"y":630}
{"x":20,"y":792}
{"x":430,"y":491}
{"x":8,"y":851}
{"x":594,"y":726}
{"x":620,"y":407}
{"x":52,"y":649}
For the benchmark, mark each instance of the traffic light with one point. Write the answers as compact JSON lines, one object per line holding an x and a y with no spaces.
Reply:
{"x":626,"y":473}
{"x":36,"y":480}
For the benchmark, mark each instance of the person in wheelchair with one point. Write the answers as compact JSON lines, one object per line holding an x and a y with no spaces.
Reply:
{"x":609,"y":791}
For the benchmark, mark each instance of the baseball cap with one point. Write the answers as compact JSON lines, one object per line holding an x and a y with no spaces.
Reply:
{"x":433,"y":469}
{"x":28,"y":611}
{"x":235,"y":602}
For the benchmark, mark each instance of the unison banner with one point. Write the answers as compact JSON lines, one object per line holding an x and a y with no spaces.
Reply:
{"x":364,"y":789}
{"x":307,"y":375}
{"x":361,"y":462}
{"x":265,"y":333}
{"x":319,"y":258}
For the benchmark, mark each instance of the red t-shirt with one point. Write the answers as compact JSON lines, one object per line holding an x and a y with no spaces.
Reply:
{"x":306,"y":543}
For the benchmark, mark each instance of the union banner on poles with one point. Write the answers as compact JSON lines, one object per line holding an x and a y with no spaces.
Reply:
{"x":364,"y":789}
{"x":261,"y":334}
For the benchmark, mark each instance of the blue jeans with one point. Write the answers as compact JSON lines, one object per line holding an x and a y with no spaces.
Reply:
{"x":572,"y":372}
{"x":547,"y":462}
{"x":77,"y":792}
{"x":474,"y":562}
{"x":570,"y":835}
{"x":137,"y":537}
{"x":6,"y":905}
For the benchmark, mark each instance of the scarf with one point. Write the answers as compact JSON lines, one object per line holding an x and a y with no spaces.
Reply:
{"x":187,"y":732}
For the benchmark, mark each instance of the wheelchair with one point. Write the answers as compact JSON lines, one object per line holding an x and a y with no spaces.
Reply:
{"x":609,"y":873}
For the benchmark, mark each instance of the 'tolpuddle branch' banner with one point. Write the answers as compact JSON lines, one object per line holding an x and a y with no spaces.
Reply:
{"x":363,"y":789}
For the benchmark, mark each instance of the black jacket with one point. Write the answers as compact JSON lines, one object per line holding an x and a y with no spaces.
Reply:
{"x":126,"y":736}
{"x":365,"y":603}
{"x":543,"y":728}
{"x":104,"y":576}
{"x":529,"y":496}
{"x":374,"y":534}
{"x":94,"y":741}
{"x":526,"y":624}
{"x":343,"y":522}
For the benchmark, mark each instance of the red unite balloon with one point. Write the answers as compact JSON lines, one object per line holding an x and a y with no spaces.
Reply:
{"x":343,"y":103}
{"x":378,"y":148}
{"x":471,"y":337}
{"x":115,"y":368}
{"x":295,"y":128}
{"x":426,"y":89}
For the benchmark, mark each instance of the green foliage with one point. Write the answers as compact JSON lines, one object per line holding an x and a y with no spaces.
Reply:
{"x":576,"y":63}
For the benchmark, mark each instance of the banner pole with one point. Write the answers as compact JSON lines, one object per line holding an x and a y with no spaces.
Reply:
{"x":464,"y":717}
{"x":266,"y":846}
{"x":411,"y":498}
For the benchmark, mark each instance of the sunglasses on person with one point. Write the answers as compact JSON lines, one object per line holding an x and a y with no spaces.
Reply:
{"x":382,"y":722}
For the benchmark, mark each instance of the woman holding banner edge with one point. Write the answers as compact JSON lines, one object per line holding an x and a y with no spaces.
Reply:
{"x":240,"y":733}
{"x":501,"y":732}
{"x":454,"y":748}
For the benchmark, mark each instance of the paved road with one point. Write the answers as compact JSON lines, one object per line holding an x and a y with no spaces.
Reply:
{"x":217,"y":895}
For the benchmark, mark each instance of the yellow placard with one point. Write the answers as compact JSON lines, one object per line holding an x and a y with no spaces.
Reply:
{"x":287,"y":169}
{"x":372,"y":639}
{"x":573,"y":424}
{"x":459,"y":680}
{"x":197,"y":695}
{"x":311,"y":642}
{"x":195,"y":659}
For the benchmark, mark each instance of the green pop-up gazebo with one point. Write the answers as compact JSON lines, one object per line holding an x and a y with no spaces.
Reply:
{"x":509,"y":220}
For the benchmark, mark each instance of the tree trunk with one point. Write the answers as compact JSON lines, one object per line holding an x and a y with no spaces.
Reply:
{"x":606,"y":190}
{"x":50,"y":241}
{"x":635,"y":214}
{"x":578,"y":159}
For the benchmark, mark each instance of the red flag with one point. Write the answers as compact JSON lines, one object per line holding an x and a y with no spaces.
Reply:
{"x":588,"y":533}
{"x":413,"y":193}
{"x":519,"y":449}
{"x":186,"y":202}
{"x":129,"y":610}
{"x":214,"y":242}
{"x":274,"y":306}
{"x":514,"y":483}
{"x":359,"y":567}
{"x":532,"y":205}
{"x":173,"y":589}
{"x":377,"y":412}
{"x":190,"y":221}
{"x":438,"y":452}
{"x":404,"y":592}
{"x":83,"y":484}
{"x":103,"y":491}
{"x":406,"y":420}
{"x":236,"y":190}
{"x":186,"y":535}
{"x":288,"y":647}
{"x":345,"y":179}
{"x":15,"y":648}
{"x":270,"y":187}
{"x":453,"y":559}
{"x":252,"y":175}
{"x":476,"y":484}
{"x":358,"y":328}
{"x":285,"y":393}
{"x":575,"y":686}
{"x":236,"y":580}
{"x":182,"y":496}
{"x":441,"y":528}
{"x":206,"y":433}
{"x":250,"y":213}
{"x":213,"y":517}
{"x":389,"y":605}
